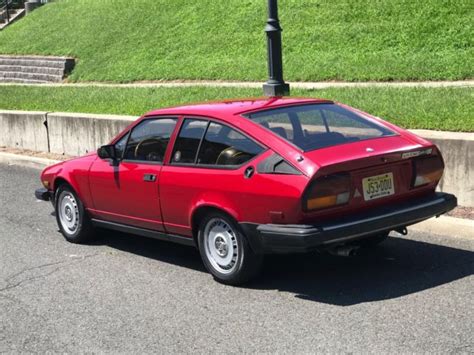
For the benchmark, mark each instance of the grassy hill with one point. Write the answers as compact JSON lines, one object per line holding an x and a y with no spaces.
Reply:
{"x":130,"y":40}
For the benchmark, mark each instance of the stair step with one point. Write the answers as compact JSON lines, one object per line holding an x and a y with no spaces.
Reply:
{"x":16,"y":68}
{"x":23,"y":81}
{"x":35,"y":57}
{"x":31,"y":69}
{"x":29,"y":76}
{"x":32,"y":62}
{"x":12,"y":13}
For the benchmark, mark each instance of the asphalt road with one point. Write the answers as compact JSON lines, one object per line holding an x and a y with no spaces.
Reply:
{"x":131,"y":294}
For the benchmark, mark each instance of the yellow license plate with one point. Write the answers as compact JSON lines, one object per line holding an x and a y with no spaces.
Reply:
{"x":378,"y":186}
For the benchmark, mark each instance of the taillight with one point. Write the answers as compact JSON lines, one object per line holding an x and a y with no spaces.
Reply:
{"x":427,"y":170}
{"x":327,"y":191}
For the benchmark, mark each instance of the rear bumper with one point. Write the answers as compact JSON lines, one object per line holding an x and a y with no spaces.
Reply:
{"x":291,"y":238}
{"x":43,"y":194}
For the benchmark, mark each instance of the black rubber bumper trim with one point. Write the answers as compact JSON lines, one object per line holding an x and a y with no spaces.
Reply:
{"x":290,"y":238}
{"x":43,"y":194}
{"x":149,"y":233}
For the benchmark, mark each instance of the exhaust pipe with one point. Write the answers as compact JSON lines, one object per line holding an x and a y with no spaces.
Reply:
{"x":344,"y":250}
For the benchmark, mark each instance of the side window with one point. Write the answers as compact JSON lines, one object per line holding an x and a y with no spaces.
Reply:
{"x":148,"y":140}
{"x":225,"y":146}
{"x":187,"y":143}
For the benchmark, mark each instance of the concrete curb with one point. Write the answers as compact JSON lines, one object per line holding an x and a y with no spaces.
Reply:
{"x":446,"y":225}
{"x":26,"y":160}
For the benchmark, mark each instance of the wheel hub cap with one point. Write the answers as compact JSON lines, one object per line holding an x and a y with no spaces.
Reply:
{"x":68,"y":213}
{"x":220,"y":245}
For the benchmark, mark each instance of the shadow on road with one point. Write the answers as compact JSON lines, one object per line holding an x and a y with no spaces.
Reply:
{"x":397,"y":268}
{"x":181,"y":255}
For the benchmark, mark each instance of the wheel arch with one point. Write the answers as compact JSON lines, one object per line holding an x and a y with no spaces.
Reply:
{"x":64,"y":180}
{"x":58,"y":181}
{"x":202,"y":210}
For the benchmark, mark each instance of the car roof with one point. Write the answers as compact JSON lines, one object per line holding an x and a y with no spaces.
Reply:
{"x":234,"y":107}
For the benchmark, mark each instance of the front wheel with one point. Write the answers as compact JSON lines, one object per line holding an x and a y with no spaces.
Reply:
{"x":225,"y":250}
{"x":73,"y":221}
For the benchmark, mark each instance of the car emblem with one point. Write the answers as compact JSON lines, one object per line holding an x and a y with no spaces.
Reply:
{"x":357,"y":193}
{"x":369,"y":149}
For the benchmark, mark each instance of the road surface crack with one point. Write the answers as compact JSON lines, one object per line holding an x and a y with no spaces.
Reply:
{"x":13,"y":282}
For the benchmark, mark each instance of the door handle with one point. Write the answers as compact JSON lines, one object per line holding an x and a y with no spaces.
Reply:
{"x":149,"y":177}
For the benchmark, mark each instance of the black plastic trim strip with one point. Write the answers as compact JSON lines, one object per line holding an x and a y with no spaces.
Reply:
{"x":149,"y":233}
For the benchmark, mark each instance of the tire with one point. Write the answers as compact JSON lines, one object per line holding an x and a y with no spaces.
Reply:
{"x":225,"y":250}
{"x":73,"y":221}
{"x":372,"y":241}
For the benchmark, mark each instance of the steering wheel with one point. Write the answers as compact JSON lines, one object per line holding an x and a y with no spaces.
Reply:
{"x":149,"y":147}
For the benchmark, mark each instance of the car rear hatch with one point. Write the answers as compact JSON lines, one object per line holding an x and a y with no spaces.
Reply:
{"x":380,"y":172}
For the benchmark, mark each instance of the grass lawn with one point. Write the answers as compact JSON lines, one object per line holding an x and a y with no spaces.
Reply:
{"x":449,"y":109}
{"x":130,"y":40}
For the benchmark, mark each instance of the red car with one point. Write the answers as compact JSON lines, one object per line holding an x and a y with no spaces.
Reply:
{"x":239,"y":179}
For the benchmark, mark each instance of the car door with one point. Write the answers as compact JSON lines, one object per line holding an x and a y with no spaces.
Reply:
{"x":208,"y":161}
{"x":127,"y":191}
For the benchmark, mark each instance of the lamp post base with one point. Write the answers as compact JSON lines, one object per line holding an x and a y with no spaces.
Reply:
{"x":276,"y":89}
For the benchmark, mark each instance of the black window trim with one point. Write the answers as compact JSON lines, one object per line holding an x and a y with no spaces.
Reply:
{"x":200,"y":142}
{"x":248,"y":114}
{"x":129,"y":133}
{"x":212,"y":166}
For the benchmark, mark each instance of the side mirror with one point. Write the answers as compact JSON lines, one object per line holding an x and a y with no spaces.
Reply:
{"x":107,"y":152}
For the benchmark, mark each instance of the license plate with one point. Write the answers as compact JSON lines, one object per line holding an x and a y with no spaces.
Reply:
{"x":378,"y":186}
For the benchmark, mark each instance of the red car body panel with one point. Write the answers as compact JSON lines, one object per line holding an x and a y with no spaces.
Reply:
{"x":117,"y":193}
{"x":249,"y":200}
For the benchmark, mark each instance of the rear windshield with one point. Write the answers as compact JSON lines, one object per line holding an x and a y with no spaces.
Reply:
{"x":317,"y":126}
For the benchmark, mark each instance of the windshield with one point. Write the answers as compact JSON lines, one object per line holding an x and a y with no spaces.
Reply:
{"x":317,"y":126}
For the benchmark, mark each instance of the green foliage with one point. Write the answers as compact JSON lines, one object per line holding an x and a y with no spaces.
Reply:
{"x":132,"y":40}
{"x":448,"y":109}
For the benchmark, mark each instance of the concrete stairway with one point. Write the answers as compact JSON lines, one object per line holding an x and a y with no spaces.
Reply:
{"x":14,"y":14}
{"x":34,"y":69}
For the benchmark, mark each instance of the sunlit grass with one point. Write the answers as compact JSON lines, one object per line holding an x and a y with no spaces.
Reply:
{"x":448,"y":109}
{"x":131,"y":40}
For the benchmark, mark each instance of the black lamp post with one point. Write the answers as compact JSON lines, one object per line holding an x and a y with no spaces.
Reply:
{"x":275,"y":86}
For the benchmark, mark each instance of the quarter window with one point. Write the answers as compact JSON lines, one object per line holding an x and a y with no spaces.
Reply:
{"x":148,"y":140}
{"x":225,"y":146}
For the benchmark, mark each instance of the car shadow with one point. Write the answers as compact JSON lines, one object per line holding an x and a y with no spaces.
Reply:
{"x":177,"y":254}
{"x":396,"y":268}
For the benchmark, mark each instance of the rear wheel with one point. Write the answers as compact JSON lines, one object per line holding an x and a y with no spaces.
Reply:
{"x":225,"y":250}
{"x":72,"y":219}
